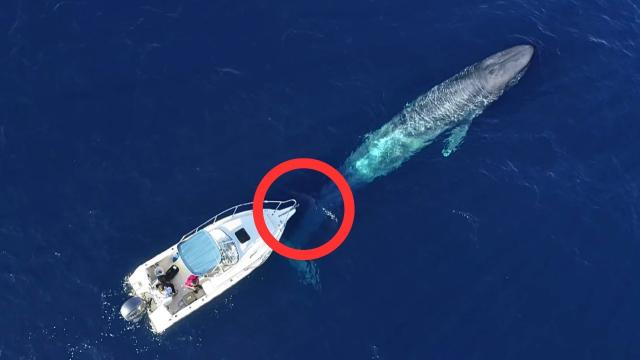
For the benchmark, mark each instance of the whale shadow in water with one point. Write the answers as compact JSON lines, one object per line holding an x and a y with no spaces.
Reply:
{"x":319,"y":220}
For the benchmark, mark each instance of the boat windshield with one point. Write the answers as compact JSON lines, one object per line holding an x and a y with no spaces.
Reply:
{"x":228,"y":250}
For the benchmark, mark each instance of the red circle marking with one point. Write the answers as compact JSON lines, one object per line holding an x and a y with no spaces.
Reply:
{"x":347,"y":199}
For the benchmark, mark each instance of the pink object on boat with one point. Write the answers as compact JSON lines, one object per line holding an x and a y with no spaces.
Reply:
{"x":192,"y":281}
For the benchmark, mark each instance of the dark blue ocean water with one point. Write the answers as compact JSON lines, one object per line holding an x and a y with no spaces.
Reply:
{"x":125,"y":124}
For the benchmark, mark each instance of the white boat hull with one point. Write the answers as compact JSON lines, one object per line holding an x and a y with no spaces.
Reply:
{"x":252,"y":253}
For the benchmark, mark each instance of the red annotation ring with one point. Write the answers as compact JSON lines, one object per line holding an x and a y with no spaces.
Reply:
{"x":347,"y":199}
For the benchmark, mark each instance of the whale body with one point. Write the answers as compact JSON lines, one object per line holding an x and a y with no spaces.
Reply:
{"x":449,"y":106}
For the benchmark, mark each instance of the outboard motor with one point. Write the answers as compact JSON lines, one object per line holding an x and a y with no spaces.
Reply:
{"x":133,"y":309}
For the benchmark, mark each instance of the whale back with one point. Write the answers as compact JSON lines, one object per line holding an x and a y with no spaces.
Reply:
{"x":447,"y":105}
{"x":456,"y":99}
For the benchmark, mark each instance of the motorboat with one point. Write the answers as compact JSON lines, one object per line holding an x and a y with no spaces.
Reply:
{"x":206,"y":261}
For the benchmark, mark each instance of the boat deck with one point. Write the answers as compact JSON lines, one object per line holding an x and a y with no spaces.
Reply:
{"x":179,"y":301}
{"x":251,"y":253}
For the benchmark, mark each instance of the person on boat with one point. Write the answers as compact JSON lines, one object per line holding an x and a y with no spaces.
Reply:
{"x":166,"y":278}
{"x":169,"y":289}
{"x":166,"y":291}
{"x":193,"y":283}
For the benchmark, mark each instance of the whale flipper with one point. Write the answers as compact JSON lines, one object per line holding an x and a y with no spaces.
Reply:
{"x":453,"y":142}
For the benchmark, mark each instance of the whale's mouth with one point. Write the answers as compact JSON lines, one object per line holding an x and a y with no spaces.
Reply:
{"x":520,"y":55}
{"x":502,"y":70}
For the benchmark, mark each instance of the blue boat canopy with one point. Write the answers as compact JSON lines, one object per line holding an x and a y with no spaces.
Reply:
{"x":200,"y":253}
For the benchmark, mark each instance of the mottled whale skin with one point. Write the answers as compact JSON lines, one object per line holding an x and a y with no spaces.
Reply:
{"x":449,"y":106}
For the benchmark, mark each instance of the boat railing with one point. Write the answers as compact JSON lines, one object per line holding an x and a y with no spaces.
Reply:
{"x":268,"y":204}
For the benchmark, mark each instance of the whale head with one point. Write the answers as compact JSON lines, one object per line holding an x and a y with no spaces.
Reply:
{"x":502,"y":70}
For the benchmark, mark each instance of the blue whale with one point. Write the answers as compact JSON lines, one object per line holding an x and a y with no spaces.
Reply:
{"x":448,"y":108}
